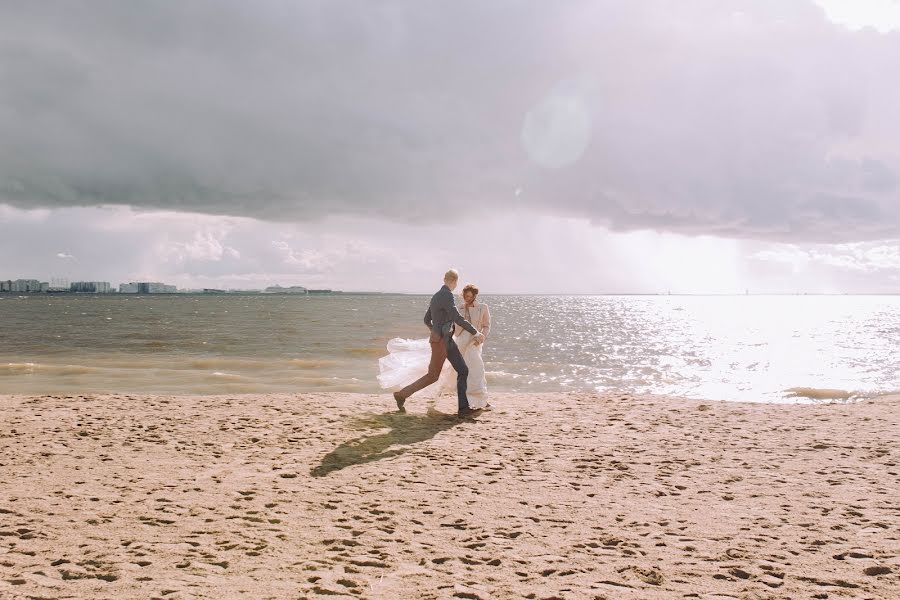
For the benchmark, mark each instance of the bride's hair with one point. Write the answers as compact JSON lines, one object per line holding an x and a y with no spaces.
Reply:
{"x":470,"y":287}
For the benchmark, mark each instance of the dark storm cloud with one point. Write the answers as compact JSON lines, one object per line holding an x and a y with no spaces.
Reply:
{"x":733,"y":118}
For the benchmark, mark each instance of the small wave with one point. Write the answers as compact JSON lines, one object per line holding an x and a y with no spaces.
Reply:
{"x":229,"y":363}
{"x":500,"y":376}
{"x":365,"y":351}
{"x":305,"y":363}
{"x":219,"y":375}
{"x":820,"y":393}
{"x":323,"y":381}
{"x":17,"y":368}
{"x":47,"y":369}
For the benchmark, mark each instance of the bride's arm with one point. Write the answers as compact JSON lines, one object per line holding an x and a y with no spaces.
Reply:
{"x":485,"y":320}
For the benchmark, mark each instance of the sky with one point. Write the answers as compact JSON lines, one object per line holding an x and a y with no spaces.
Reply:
{"x":587,"y":146}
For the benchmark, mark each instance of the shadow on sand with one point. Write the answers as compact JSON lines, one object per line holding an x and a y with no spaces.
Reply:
{"x":404,"y":430}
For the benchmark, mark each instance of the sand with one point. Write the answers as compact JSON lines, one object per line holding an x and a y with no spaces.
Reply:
{"x":549,"y":496}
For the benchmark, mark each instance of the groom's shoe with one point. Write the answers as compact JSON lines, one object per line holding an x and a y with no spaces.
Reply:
{"x":467,"y":413}
{"x":400,"y":400}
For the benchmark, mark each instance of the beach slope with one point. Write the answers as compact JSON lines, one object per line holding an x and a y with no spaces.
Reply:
{"x":549,"y":496}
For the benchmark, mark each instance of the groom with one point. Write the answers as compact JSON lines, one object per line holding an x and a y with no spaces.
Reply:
{"x":441,"y":317}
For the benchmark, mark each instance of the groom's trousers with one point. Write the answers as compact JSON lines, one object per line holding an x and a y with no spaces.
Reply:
{"x":441,"y":350}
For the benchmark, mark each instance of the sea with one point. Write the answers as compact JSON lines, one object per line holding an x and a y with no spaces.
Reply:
{"x":747,"y":348}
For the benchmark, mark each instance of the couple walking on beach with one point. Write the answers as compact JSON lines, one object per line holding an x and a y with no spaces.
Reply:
{"x":457,"y":334}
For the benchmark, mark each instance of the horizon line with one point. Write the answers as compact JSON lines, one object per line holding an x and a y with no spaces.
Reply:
{"x":236,"y":291}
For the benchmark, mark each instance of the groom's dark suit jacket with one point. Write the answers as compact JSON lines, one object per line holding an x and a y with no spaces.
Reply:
{"x":442,"y":314}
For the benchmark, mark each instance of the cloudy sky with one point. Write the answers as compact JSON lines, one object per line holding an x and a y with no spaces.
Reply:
{"x":585,"y":146}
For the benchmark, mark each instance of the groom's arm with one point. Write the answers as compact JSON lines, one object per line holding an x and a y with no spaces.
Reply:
{"x":461,"y":320}
{"x":428,"y":323}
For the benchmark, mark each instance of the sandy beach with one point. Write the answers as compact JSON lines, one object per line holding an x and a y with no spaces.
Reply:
{"x":549,"y":496}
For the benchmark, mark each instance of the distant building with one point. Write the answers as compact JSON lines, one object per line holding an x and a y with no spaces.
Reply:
{"x":28,"y":286}
{"x":90,"y":287}
{"x":277,"y":289}
{"x":155,"y":287}
{"x":25,"y":285}
{"x":147,"y":287}
{"x":59,"y":284}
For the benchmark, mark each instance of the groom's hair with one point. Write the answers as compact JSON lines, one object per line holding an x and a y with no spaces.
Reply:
{"x":451,"y":275}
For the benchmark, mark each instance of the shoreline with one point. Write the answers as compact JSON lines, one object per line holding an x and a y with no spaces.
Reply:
{"x":797,"y":395}
{"x":568,"y":495}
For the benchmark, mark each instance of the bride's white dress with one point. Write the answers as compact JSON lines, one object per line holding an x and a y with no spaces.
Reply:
{"x":408,"y":360}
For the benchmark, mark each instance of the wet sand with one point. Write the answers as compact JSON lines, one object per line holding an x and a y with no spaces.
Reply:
{"x":549,"y":496}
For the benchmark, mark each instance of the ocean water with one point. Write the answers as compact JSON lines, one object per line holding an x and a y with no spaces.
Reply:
{"x":757,"y":348}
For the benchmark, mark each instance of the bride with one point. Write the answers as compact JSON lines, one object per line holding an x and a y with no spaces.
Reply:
{"x":408,"y":360}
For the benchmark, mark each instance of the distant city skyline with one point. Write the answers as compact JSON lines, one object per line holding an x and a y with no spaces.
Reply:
{"x":592,"y":146}
{"x":62,"y":285}
{"x":31,"y":285}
